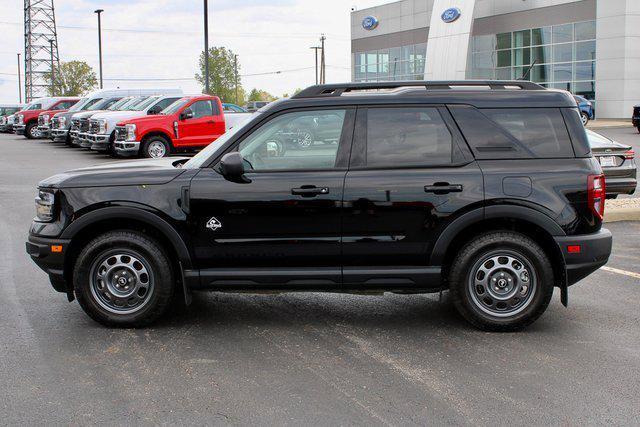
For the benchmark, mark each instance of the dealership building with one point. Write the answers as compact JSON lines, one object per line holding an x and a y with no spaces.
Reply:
{"x":589,"y":47}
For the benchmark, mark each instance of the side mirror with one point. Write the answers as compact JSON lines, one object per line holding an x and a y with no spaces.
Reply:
{"x":232,"y":167}
{"x":186,"y":114}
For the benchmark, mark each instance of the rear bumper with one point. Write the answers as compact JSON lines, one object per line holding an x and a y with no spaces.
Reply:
{"x":595,"y":250}
{"x":40,"y":251}
{"x":621,"y":185}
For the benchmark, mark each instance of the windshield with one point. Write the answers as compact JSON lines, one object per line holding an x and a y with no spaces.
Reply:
{"x":37,"y":106}
{"x":144,"y":104}
{"x":78,"y":106}
{"x":116,"y":106}
{"x":132,"y":103}
{"x":201,"y":158}
{"x":175,"y":106}
{"x":103,"y":103}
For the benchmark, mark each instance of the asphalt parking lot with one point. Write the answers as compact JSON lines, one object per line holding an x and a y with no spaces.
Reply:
{"x":314,"y":359}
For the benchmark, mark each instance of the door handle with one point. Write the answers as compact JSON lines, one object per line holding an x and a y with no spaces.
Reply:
{"x":309,"y":191}
{"x":443,"y":188}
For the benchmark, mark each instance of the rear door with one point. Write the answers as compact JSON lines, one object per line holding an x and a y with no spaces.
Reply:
{"x":410,"y":175}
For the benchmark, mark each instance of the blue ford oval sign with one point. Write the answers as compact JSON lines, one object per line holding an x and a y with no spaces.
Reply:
{"x":451,"y":14}
{"x":370,"y":23}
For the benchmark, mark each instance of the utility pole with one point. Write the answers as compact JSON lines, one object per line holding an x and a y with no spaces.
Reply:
{"x":235,"y":70}
{"x":99,"y":11}
{"x":19,"y":82}
{"x":315,"y":48}
{"x":53,"y":75}
{"x":323,"y":70}
{"x":39,"y":28}
{"x":206,"y":46}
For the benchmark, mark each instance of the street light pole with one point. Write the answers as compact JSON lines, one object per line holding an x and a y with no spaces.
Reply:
{"x":99,"y":11}
{"x":235,"y":70}
{"x":323,"y":72}
{"x":53,"y":76}
{"x":315,"y":48}
{"x":206,"y":46}
{"x":19,"y":82}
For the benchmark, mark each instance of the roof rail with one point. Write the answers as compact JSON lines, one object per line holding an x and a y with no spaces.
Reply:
{"x":338,"y":89}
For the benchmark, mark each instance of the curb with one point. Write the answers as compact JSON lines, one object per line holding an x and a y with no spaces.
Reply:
{"x":622,"y":210}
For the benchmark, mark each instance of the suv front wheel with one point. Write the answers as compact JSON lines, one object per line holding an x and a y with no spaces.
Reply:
{"x":123,"y":278}
{"x":501,"y":281}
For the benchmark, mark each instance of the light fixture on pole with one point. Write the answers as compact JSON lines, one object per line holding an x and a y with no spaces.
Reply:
{"x":206,"y":46}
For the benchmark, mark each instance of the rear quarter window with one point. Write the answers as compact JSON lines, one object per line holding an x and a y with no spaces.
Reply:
{"x":515,"y":133}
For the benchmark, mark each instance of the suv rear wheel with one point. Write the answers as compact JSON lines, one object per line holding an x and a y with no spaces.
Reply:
{"x":123,"y":278}
{"x":501,"y":281}
{"x":155,"y":147}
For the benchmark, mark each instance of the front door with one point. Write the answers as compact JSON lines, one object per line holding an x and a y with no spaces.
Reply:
{"x":205,"y":126}
{"x":282,"y":226}
{"x":410,"y":174}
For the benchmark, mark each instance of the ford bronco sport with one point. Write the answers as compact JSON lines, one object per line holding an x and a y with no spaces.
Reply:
{"x":486,"y":189}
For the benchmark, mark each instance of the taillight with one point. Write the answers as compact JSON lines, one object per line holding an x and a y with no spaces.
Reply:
{"x":597,"y":194}
{"x":629,"y":155}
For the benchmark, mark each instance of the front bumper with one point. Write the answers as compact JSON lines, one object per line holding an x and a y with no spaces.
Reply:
{"x":636,"y":121}
{"x":127,"y":148}
{"x":99,"y":142}
{"x":6,"y":128}
{"x":41,"y":251}
{"x":595,"y":250}
{"x":19,"y":129}
{"x":83,"y":140}
{"x":45,"y":131}
{"x":59,"y":135}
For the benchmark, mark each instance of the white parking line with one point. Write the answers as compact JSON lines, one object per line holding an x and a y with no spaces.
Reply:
{"x":623,"y":272}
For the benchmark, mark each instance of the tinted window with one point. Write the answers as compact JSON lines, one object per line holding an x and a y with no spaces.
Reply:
{"x":407,"y":136}
{"x":164,"y":103}
{"x":541,"y":130}
{"x":201,"y":109}
{"x":294,"y":141}
{"x":514,"y":133}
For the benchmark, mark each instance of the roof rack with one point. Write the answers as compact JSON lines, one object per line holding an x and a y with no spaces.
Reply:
{"x":332,"y":90}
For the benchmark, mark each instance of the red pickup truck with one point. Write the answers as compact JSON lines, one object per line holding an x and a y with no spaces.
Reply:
{"x":27,"y":119}
{"x":190,"y":123}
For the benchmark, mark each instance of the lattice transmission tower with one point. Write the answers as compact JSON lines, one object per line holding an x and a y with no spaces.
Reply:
{"x":40,"y":47}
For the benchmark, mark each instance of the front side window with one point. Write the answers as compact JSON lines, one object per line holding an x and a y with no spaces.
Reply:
{"x":295,"y":141}
{"x":407,"y":137}
{"x":201,"y":109}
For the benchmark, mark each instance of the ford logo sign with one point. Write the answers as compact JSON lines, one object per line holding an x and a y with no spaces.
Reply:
{"x":451,"y":14}
{"x":370,"y":23}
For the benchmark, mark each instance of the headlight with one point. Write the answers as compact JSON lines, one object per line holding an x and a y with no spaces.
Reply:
{"x":62,"y":121}
{"x":131,"y":132}
{"x":102,"y":126}
{"x":21,"y":119}
{"x":3,"y":120}
{"x":45,"y":205}
{"x":45,"y":119}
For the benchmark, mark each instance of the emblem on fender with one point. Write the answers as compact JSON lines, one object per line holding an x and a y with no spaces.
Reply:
{"x":213,"y":224}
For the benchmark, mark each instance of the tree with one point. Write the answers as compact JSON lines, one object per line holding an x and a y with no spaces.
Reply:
{"x":222,"y":78}
{"x":72,"y":78}
{"x":260,"y":95}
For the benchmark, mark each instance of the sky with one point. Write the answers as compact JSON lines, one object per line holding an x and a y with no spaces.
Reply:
{"x":161,"y":39}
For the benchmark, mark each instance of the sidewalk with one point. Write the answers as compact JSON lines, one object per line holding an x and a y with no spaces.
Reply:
{"x":609,"y":123}
{"x":622,"y":210}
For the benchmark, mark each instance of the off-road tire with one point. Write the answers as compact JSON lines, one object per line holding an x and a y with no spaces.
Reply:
{"x":131,"y":242}
{"x":477,"y":249}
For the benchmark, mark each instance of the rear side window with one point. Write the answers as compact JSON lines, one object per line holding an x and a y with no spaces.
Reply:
{"x":407,"y":137}
{"x":515,"y":133}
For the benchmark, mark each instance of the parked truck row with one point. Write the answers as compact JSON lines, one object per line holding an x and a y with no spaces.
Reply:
{"x":126,"y":122}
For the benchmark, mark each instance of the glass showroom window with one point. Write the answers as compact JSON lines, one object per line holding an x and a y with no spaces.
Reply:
{"x":564,"y":56}
{"x":396,"y":63}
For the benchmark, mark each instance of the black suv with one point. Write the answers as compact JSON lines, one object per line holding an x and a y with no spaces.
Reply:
{"x":486,"y":189}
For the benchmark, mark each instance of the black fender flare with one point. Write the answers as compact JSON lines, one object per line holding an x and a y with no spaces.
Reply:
{"x":490,"y":212}
{"x":113,"y":212}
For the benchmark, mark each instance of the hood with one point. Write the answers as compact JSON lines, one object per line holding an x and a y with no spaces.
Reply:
{"x":135,"y":172}
{"x":51,"y":113}
{"x":86,"y":114}
{"x":146,"y":119}
{"x":118,"y":115}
